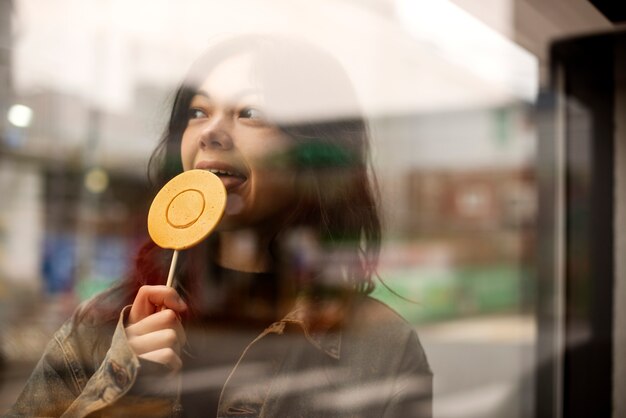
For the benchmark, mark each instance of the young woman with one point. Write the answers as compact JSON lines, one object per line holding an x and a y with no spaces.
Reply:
{"x":270,"y":316}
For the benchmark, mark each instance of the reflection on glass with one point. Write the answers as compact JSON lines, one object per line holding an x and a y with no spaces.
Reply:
{"x":452,"y":150}
{"x":273,"y":306}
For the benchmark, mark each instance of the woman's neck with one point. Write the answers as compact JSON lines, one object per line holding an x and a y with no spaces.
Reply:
{"x":243,"y":250}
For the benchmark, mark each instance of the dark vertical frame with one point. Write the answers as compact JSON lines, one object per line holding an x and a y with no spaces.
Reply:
{"x":548,"y":293}
{"x":577,"y":382}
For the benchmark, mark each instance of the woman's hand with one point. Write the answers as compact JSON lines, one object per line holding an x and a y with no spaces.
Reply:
{"x":154,"y":330}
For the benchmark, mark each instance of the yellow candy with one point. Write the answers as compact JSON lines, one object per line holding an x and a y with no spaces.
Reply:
{"x":186,"y":209}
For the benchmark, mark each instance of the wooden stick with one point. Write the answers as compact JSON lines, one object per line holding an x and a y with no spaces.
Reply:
{"x":170,"y":276}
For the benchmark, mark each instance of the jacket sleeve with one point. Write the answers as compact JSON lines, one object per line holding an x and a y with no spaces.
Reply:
{"x":62,"y":384}
{"x":413,"y":385}
{"x":51,"y":388}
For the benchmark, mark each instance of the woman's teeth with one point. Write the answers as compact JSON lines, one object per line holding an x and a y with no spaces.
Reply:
{"x":223,"y":173}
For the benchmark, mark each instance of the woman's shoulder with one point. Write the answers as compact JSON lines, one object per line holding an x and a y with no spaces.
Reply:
{"x":377,"y":335}
{"x":82,"y":340}
{"x":92,"y":323}
{"x":373,"y":319}
{"x":369,"y":312}
{"x":99,"y":310}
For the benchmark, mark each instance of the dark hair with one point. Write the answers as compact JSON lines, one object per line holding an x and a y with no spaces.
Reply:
{"x":337,"y":191}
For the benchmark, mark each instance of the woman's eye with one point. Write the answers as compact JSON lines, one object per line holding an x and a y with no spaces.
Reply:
{"x":195,"y":113}
{"x":252,"y":113}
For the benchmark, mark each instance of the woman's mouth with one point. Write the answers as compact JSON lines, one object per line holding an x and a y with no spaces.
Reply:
{"x":230,"y":176}
{"x":231,"y":180}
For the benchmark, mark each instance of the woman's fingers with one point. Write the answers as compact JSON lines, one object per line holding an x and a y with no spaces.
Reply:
{"x":165,"y":356}
{"x":150,"y":299}
{"x":166,"y":319}
{"x":159,"y":338}
{"x":154,"y":330}
{"x":163,"y":338}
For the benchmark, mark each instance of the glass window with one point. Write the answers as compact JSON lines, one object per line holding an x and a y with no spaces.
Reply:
{"x":379,"y":151}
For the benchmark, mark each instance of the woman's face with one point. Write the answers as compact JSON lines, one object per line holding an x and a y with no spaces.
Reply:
{"x":228,"y":135}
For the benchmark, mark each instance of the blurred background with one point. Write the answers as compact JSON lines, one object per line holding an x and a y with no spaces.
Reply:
{"x":450,"y":89}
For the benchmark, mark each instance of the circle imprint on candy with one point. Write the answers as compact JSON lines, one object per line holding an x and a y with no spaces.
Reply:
{"x":186,"y":210}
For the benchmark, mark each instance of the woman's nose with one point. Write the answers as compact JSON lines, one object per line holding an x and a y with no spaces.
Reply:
{"x":216,"y":134}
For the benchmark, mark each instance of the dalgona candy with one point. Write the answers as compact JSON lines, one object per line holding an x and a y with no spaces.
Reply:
{"x":186,"y":210}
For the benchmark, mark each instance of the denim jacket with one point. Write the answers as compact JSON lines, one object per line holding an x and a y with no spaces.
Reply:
{"x":371,"y":365}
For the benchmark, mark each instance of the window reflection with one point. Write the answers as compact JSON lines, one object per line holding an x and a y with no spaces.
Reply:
{"x":460,"y":247}
{"x":452,"y":146}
